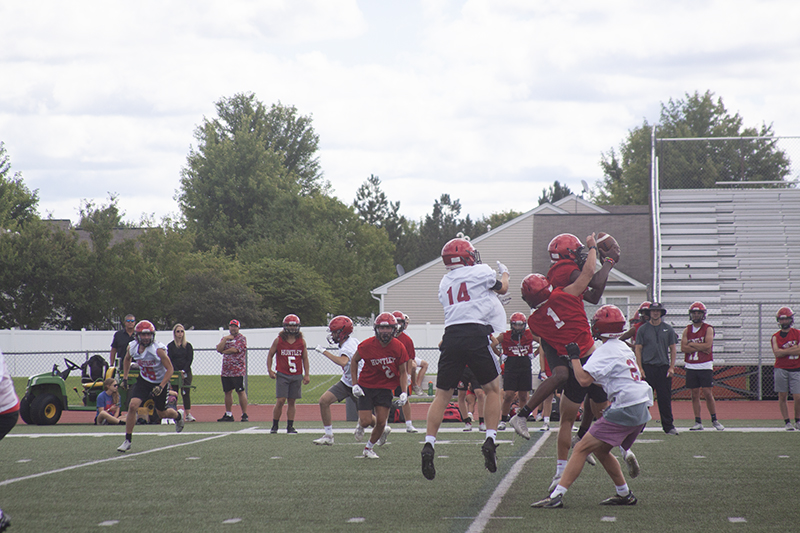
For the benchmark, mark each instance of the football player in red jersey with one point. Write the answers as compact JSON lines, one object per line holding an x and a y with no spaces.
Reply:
{"x":385,"y":368}
{"x":517,"y":345}
{"x":697,"y":342}
{"x":786,"y":347}
{"x":291,"y":369}
{"x":642,"y":316}
{"x":402,"y":322}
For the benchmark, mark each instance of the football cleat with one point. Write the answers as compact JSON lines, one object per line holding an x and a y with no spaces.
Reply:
{"x":225,"y":418}
{"x":125,"y":446}
{"x":489,"y":455}
{"x":482,"y":426}
{"x":717,"y":425}
{"x":468,"y":426}
{"x":427,"y":461}
{"x":370,"y":454}
{"x":697,"y":427}
{"x":545,"y":427}
{"x":179,"y":423}
{"x":384,"y":436}
{"x":358,"y":434}
{"x":325,"y":440}
{"x":550,"y":503}
{"x":290,"y":430}
{"x":628,"y":499}
{"x":501,"y":426}
{"x":411,"y":429}
{"x":520,"y":425}
{"x":789,"y":426}
{"x":633,"y":464}
{"x":190,"y":418}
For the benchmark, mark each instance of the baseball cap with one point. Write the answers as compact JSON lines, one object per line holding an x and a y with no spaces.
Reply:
{"x":234,"y":323}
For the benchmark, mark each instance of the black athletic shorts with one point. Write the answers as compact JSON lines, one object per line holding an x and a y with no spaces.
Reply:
{"x":696,"y":379}
{"x":143,"y":390}
{"x":517,"y":374}
{"x":468,"y":381}
{"x":462,"y":345}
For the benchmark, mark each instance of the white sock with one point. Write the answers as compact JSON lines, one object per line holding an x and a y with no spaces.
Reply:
{"x":369,"y":445}
{"x":228,"y":413}
{"x":622,"y":490}
{"x":329,"y":431}
{"x":558,"y":490}
{"x":546,"y":420}
{"x":430,"y":439}
{"x":409,"y":424}
{"x":561,"y":465}
{"x":491,"y":434}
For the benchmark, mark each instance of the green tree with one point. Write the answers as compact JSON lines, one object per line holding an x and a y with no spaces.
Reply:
{"x":689,"y":165}
{"x":17,"y":202}
{"x":554,"y":193}
{"x":373,"y":207}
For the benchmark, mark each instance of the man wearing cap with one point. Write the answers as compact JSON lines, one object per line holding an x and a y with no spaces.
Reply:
{"x":233,"y":348}
{"x":656,"y":350}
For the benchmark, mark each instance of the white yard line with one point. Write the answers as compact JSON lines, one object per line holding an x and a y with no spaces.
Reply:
{"x":479,"y":524}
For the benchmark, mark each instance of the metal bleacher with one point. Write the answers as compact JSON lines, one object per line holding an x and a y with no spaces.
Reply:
{"x":738,"y":251}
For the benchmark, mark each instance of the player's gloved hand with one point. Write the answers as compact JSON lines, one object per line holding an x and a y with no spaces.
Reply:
{"x":573,"y":351}
{"x":156,"y":391}
{"x":358,"y":392}
{"x":123,"y":384}
{"x":319,"y":348}
{"x":403,"y":399}
{"x":502,"y":268}
{"x":542,"y":376}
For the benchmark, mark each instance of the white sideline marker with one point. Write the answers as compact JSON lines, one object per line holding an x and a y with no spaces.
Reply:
{"x":108,"y":523}
{"x":608,"y":519}
{"x":737,"y":519}
{"x":357,"y":520}
{"x":232,"y":521}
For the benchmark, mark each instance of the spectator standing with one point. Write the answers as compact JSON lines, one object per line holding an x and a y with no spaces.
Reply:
{"x":291,"y":369}
{"x":656,"y":350}
{"x":181,"y":353}
{"x":108,"y":409}
{"x":341,"y":329}
{"x":385,"y":363}
{"x":468,"y":293}
{"x":697,"y":342}
{"x":155,"y":371}
{"x":786,"y":347}
{"x":9,"y":414}
{"x":233,"y":348}
{"x":121,"y":340}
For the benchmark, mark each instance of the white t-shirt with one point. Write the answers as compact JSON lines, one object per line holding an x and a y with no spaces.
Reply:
{"x":467,"y":297}
{"x":613,"y":367}
{"x":349,"y":349}
{"x":8,"y":398}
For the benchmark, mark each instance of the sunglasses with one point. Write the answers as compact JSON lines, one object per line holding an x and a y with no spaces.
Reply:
{"x":130,"y":320}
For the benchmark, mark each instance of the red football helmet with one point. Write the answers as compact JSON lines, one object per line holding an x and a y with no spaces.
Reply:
{"x":695,"y":307}
{"x":535,"y":290}
{"x":518,"y":324}
{"x":608,"y":321}
{"x":644,"y":311}
{"x":567,"y":246}
{"x":402,"y":321}
{"x":385,"y":319}
{"x":144,"y":326}
{"x":785,"y":312}
{"x":291,"y":324}
{"x":340,"y":327}
{"x":459,"y":252}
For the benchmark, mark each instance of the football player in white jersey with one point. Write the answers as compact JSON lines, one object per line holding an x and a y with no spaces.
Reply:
{"x":468,"y":292}
{"x":613,"y":366}
{"x":155,"y":371}
{"x":341,"y":329}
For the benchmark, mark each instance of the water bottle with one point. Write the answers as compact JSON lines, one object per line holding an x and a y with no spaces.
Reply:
{"x":430,"y":388}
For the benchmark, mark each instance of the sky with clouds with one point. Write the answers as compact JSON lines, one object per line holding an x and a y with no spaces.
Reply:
{"x":487,"y":100}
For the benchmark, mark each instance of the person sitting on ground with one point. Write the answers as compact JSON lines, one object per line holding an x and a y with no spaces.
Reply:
{"x":108,"y":411}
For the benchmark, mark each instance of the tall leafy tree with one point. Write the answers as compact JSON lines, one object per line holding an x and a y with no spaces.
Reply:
{"x":700,"y":164}
{"x":17,"y":203}
{"x":554,"y":193}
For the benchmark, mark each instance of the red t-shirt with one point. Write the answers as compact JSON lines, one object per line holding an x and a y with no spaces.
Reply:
{"x":562,"y":320}
{"x":289,"y":356}
{"x":381,"y":368}
{"x":560,"y":272}
{"x":521,"y":348}
{"x":408,"y":344}
{"x":792,"y":338}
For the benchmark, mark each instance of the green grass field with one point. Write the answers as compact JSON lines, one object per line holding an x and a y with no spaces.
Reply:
{"x":71,"y":478}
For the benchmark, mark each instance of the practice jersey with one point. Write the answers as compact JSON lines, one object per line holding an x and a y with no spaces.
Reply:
{"x":9,"y":403}
{"x":561,"y":271}
{"x":524,"y":347}
{"x":792,"y":338}
{"x":349,"y":349}
{"x":289,"y":356}
{"x":408,"y":344}
{"x":467,"y":297}
{"x":150,"y":366}
{"x":562,"y":320}
{"x":698,"y":360}
{"x":381,"y":368}
{"x":613,"y":367}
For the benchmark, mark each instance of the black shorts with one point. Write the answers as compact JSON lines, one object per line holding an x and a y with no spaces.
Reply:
{"x":468,"y":381}
{"x":553,"y":359}
{"x":375,"y":398}
{"x":576,"y":393}
{"x":462,"y":345}
{"x":143,"y":390}
{"x":230,"y":383}
{"x":517,"y":374}
{"x":696,"y":379}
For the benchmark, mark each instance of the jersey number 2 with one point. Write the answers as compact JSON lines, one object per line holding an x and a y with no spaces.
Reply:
{"x":462,"y":296}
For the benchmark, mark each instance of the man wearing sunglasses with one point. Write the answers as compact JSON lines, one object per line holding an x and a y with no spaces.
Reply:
{"x":122,"y":339}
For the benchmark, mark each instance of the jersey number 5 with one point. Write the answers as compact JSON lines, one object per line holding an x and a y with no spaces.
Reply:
{"x":462,"y":296}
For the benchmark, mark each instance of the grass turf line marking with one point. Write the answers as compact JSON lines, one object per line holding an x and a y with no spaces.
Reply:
{"x":503,"y":487}
{"x":108,"y":523}
{"x":100,"y":461}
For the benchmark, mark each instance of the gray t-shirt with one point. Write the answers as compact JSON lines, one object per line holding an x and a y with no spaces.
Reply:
{"x":655,"y":341}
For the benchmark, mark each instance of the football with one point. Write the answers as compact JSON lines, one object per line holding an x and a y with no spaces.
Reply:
{"x":607,"y":246}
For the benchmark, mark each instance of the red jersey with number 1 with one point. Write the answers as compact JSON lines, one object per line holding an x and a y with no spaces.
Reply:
{"x":381,"y":368}
{"x":561,"y":271}
{"x":562,"y":320}
{"x":792,"y":338}
{"x":289,"y":356}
